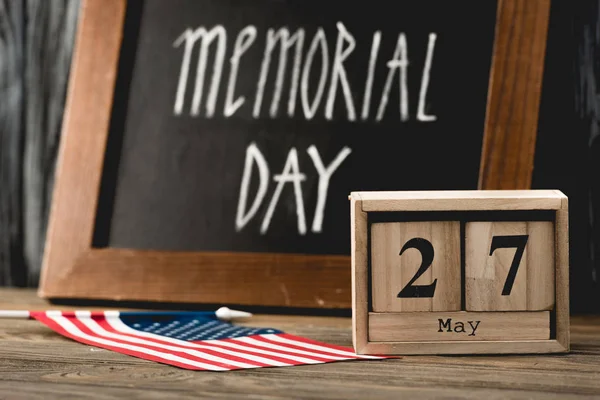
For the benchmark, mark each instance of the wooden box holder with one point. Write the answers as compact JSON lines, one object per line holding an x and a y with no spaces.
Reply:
{"x":518,"y":331}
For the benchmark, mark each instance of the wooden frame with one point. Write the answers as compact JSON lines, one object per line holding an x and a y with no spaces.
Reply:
{"x":514,"y":94}
{"x":364,"y":204}
{"x":72,"y":268}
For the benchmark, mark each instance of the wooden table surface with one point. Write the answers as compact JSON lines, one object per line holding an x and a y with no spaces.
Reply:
{"x":36,"y":363}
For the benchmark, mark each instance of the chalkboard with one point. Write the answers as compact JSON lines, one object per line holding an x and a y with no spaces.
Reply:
{"x":236,"y":129}
{"x":190,"y":153}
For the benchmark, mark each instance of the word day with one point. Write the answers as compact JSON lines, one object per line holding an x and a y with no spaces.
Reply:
{"x":291,"y":174}
{"x":306,"y":55}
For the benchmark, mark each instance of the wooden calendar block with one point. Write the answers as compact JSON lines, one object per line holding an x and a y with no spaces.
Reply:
{"x":460,"y":272}
{"x":416,"y":266}
{"x":459,"y":326}
{"x":509,"y":265}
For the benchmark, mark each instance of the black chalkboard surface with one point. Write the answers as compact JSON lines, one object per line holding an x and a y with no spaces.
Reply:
{"x":245,"y":124}
{"x":209,"y":146}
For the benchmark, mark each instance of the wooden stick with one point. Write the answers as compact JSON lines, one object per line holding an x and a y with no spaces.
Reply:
{"x":222,"y":313}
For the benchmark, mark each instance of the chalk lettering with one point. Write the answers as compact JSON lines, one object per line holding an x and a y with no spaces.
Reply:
{"x":311,"y":108}
{"x":324,"y":177}
{"x":244,"y":40}
{"x":421,"y":116}
{"x":190,"y":37}
{"x":291,"y":173}
{"x":281,"y":36}
{"x":307,"y":86}
{"x":253,"y":154}
{"x":399,"y":61}
{"x":338,"y":73}
{"x":366,"y":107}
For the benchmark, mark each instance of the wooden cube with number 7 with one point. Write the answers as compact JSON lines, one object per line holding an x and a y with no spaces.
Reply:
{"x":509,"y":265}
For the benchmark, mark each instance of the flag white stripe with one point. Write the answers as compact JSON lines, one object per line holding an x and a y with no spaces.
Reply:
{"x":75,"y":331}
{"x":84,"y":317}
{"x":289,"y":349}
{"x":313,"y":346}
{"x":119,"y":326}
{"x":241,"y":346}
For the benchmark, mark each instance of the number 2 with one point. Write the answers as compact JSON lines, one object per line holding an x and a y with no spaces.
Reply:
{"x":426,"y":249}
{"x":503,"y":242}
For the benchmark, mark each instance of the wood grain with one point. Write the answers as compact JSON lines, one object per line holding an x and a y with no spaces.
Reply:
{"x":461,"y":200}
{"x":83,"y":139}
{"x":392,"y":272}
{"x":459,"y":326}
{"x":514,"y":94}
{"x":466,"y":347}
{"x":359,"y":237}
{"x":36,"y":363}
{"x":486,"y":275}
{"x":562,"y":274}
{"x":264,"y":279}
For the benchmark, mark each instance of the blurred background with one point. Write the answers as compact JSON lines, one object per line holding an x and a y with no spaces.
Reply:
{"x":36,"y":42}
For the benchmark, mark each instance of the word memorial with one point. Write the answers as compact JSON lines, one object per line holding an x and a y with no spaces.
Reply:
{"x":283,"y":46}
{"x":459,"y":272}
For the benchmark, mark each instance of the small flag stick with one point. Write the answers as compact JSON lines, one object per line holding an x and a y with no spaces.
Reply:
{"x":222,"y":313}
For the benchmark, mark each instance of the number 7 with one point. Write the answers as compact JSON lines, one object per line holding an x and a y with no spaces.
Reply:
{"x":503,"y":242}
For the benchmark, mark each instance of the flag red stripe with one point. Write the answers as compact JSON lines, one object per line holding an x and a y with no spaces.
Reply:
{"x":56,"y":326}
{"x":178,"y":349}
{"x":255,"y":343}
{"x":119,"y":326}
{"x":161,"y":352}
{"x":243,"y":348}
{"x":343,"y":349}
{"x":294,"y":359}
{"x":317,"y":343}
{"x":297,"y":349}
{"x":330,"y":355}
{"x":68,"y":313}
{"x":187,"y":357}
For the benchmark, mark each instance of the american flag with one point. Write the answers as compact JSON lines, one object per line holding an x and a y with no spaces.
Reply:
{"x":192,"y":340}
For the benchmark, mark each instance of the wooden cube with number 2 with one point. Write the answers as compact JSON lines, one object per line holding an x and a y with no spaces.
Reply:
{"x":459,"y":272}
{"x":407,"y":253}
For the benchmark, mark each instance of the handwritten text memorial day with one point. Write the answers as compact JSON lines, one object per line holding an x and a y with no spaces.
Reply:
{"x":310,"y":57}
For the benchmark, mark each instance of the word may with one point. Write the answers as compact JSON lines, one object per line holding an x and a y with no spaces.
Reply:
{"x":290,"y":174}
{"x":459,"y":327}
{"x":299,"y":83}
